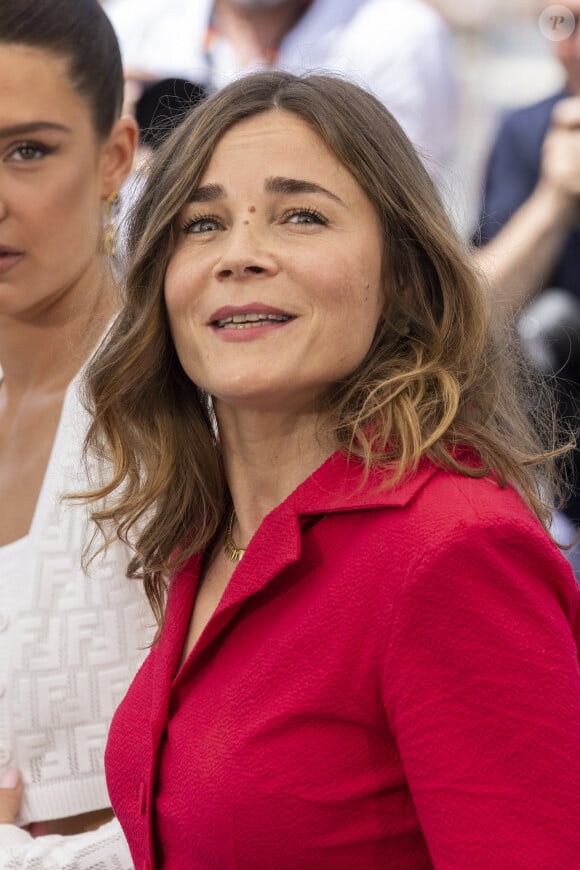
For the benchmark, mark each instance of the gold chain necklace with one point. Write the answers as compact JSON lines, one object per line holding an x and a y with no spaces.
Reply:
{"x":233,"y":553}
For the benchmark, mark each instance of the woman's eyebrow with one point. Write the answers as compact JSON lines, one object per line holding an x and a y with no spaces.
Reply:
{"x":278,"y":184}
{"x":208,"y":193}
{"x":32,"y":127}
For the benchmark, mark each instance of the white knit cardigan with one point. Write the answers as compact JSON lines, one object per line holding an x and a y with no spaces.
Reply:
{"x":70,"y":644}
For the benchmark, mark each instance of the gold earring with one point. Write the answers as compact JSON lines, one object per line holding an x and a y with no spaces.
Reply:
{"x":109,"y":240}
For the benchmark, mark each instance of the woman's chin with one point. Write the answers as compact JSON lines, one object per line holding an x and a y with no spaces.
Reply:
{"x":267,"y":398}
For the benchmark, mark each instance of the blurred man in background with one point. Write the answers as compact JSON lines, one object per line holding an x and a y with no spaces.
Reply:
{"x":399,"y":49}
{"x":528,"y":234}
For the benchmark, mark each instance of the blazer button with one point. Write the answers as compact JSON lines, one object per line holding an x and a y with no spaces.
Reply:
{"x":142,"y":798}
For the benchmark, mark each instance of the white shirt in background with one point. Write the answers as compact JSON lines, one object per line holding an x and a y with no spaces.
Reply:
{"x":400,"y":50}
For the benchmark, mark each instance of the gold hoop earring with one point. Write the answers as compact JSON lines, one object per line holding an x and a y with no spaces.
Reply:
{"x":109,"y":239}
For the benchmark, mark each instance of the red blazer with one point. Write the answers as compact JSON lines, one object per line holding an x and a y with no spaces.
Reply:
{"x":391,"y":681}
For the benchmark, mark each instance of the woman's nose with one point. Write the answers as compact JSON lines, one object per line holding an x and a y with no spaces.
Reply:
{"x":247,"y":253}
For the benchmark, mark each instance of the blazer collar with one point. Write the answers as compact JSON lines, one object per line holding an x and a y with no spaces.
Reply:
{"x":339,"y":484}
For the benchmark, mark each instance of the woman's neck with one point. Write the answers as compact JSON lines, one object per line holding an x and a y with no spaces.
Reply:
{"x":266,"y":457}
{"x":256,"y":34}
{"x":43,"y":350}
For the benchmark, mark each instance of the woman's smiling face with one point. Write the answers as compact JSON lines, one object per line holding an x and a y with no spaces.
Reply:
{"x":275,"y":288}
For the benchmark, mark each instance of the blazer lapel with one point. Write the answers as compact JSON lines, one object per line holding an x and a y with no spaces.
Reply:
{"x":338,"y":485}
{"x":275,"y":545}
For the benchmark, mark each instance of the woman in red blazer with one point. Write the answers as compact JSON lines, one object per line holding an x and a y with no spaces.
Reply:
{"x":366,"y":655}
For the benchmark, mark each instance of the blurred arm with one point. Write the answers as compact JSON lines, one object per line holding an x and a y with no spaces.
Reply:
{"x":519,"y":260}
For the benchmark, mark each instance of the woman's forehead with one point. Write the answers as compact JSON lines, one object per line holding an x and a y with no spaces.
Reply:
{"x":274,"y":144}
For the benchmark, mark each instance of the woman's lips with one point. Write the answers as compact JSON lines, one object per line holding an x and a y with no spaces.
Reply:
{"x":246,"y":322}
{"x":9,"y":257}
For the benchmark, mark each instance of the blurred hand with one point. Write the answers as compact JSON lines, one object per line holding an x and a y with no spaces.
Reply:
{"x":561,"y":153}
{"x":10,"y":796}
{"x":566,"y":112}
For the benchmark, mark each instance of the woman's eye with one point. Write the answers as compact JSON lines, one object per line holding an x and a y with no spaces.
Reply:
{"x":202,"y":225}
{"x":306,"y":216}
{"x":26,"y":152}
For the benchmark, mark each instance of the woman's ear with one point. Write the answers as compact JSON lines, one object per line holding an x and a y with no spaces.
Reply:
{"x":118,"y":154}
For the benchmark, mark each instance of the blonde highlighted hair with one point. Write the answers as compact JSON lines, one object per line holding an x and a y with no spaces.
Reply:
{"x":432,"y":382}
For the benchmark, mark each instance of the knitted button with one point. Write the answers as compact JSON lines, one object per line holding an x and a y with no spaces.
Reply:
{"x":142,"y":798}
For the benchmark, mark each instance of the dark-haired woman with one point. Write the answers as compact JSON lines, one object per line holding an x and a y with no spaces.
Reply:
{"x":368,"y":654}
{"x":69,"y":642}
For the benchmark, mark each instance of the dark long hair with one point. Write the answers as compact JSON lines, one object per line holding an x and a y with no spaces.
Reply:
{"x":80,"y":32}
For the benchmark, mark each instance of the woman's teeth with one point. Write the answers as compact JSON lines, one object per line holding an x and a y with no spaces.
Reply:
{"x":243,"y":321}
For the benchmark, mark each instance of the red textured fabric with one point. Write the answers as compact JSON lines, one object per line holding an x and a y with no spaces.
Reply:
{"x":390,"y":681}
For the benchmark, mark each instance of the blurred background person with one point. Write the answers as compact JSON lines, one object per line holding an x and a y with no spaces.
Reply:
{"x":528,"y":228}
{"x":399,"y":49}
{"x":69,"y":642}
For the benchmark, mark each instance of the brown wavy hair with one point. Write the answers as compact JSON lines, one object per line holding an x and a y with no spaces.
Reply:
{"x":433,"y":380}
